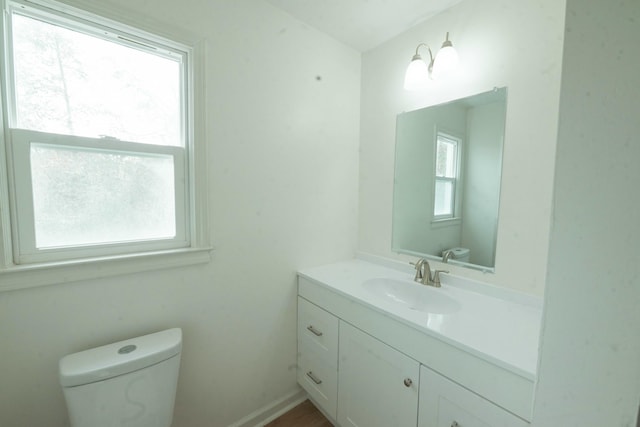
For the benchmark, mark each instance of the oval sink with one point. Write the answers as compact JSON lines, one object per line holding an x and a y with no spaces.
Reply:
{"x":412,"y":295}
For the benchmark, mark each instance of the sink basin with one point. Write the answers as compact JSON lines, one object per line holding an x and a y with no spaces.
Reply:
{"x":412,"y":295}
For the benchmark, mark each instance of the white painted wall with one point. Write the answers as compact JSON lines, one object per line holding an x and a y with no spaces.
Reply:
{"x":414,"y":193}
{"x":483,"y":159}
{"x":283,"y":157}
{"x":501,"y":43}
{"x":589,"y":372}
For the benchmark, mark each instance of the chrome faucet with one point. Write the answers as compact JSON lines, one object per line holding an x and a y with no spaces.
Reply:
{"x":418,"y":266}
{"x":423,"y":271}
{"x":423,"y":274}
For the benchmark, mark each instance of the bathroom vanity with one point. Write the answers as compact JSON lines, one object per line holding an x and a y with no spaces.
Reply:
{"x":376,"y":348}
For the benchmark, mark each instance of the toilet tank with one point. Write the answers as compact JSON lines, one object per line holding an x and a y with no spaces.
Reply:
{"x":459,"y":254}
{"x":129,"y":383}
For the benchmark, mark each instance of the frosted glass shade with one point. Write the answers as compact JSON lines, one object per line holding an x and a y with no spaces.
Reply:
{"x":445,"y":63}
{"x":417,"y":75}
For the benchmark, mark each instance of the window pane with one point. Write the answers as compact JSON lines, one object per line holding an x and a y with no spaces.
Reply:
{"x":90,"y":197}
{"x":443,"y":200}
{"x":446,"y":156}
{"x":67,"y":82}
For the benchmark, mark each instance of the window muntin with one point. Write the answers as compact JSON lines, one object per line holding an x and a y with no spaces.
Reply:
{"x":446,"y":178}
{"x":159,"y":149}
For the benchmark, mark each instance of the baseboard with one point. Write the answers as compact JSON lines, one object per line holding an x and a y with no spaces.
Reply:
{"x":273,"y":410}
{"x":327,"y":416}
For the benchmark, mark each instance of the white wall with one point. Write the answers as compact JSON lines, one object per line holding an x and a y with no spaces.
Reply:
{"x":483,"y":153}
{"x":589,"y":373}
{"x":501,"y":43}
{"x":413,"y":229}
{"x":283,"y":156}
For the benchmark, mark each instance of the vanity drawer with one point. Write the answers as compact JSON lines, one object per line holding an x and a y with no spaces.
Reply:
{"x":318,"y":331}
{"x":319,"y":379}
{"x":444,"y":403}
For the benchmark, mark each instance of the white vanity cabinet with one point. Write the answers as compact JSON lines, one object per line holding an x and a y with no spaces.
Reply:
{"x":368,"y":364}
{"x":377,"y":385}
{"x":444,"y":403}
{"x":318,"y":355}
{"x":361,"y":381}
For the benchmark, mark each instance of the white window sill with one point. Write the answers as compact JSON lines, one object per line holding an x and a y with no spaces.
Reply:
{"x":29,"y":276}
{"x":446,"y":222}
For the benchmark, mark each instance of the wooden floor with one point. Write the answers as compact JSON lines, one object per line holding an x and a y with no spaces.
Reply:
{"x":303,"y":415}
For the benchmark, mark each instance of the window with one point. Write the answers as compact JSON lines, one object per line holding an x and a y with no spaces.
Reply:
{"x":446,"y":176}
{"x":98,"y":138}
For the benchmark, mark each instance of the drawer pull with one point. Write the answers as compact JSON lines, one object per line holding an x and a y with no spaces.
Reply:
{"x":407,"y":382}
{"x":314,"y":331}
{"x":313,"y":378}
{"x":455,"y":424}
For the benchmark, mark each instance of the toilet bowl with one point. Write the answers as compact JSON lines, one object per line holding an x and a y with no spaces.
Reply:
{"x":129,"y":383}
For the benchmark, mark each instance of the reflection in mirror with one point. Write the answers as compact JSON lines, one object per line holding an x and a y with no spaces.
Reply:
{"x":447,"y":180}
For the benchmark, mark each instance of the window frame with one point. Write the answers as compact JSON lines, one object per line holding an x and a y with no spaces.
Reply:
{"x":18,"y":269}
{"x":455,"y":181}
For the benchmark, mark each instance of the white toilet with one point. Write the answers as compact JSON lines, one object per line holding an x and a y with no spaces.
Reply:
{"x":129,"y":383}
{"x":459,"y":254}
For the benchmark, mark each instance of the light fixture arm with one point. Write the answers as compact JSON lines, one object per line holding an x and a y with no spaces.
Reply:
{"x":447,"y":42}
{"x":417,"y":55}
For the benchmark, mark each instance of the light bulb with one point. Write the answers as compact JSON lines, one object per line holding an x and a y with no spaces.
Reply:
{"x":446,"y":61}
{"x":417,"y":75}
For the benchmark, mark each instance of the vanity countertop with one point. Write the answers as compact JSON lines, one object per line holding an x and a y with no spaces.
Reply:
{"x":500,"y":327}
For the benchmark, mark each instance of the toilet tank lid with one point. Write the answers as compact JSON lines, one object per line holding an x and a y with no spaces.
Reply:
{"x":458,"y":252}
{"x":119,"y":358}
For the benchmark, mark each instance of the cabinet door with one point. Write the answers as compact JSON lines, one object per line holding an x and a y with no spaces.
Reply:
{"x":444,"y":403}
{"x":377,"y":385}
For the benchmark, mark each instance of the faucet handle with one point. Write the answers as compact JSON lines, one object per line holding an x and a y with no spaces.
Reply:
{"x":436,"y":277}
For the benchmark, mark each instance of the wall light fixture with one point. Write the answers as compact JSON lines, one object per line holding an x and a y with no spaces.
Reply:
{"x":418,"y":73}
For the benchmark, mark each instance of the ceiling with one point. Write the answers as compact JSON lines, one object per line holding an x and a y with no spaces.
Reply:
{"x":362,"y":24}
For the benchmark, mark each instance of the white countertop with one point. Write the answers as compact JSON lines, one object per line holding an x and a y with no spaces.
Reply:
{"x":501,"y":327}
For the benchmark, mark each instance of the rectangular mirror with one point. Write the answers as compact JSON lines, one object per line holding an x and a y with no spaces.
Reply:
{"x":447,"y":180}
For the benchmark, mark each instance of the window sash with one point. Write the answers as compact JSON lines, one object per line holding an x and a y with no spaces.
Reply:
{"x":451,"y":178}
{"x":450,"y":166}
{"x":450,"y":209}
{"x":25,"y":249}
{"x":99,"y":27}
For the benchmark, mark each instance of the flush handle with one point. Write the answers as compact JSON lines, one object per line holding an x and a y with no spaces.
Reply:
{"x":127,"y":349}
{"x":314,"y":331}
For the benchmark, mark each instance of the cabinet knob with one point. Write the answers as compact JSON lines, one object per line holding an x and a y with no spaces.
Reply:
{"x":455,"y":424}
{"x":407,"y":382}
